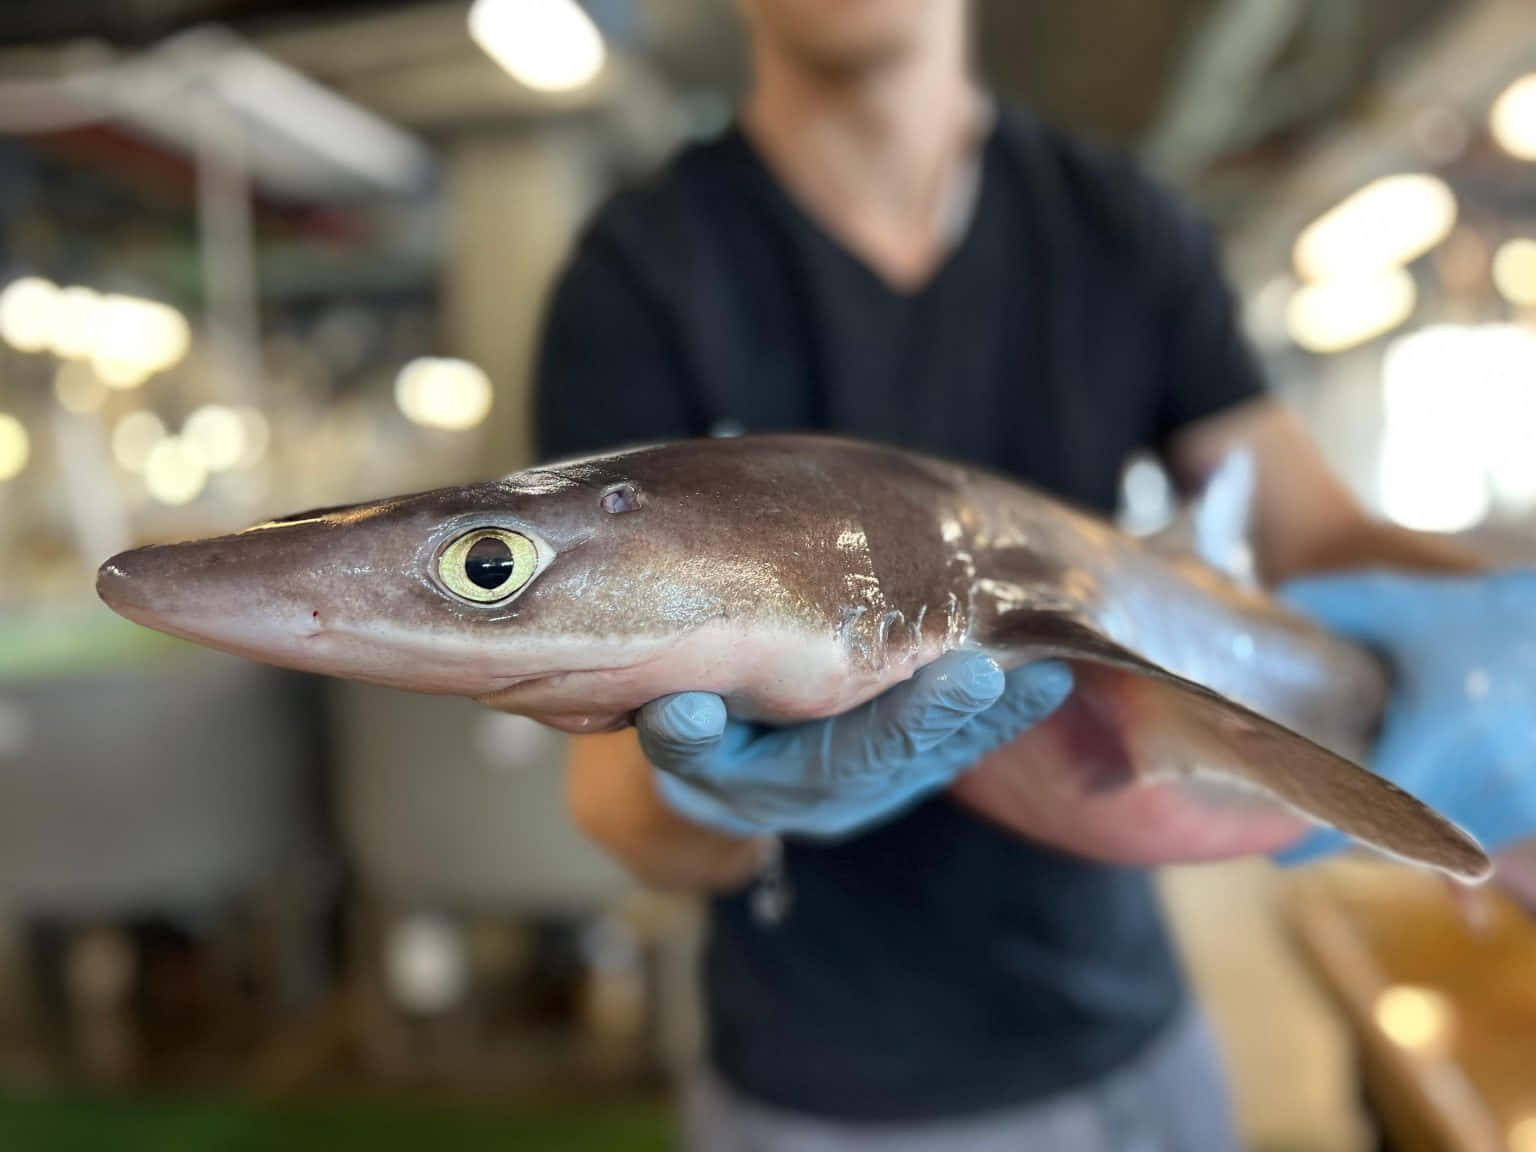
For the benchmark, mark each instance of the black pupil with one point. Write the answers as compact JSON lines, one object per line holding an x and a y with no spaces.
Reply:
{"x":488,"y":563}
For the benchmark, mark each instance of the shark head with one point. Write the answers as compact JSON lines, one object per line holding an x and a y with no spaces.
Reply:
{"x":515,"y":591}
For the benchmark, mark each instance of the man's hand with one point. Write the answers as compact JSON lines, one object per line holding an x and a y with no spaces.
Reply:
{"x":831,"y":777}
{"x":1460,"y":730}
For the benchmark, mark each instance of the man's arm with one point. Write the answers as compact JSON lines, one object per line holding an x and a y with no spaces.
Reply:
{"x":1305,"y":520}
{"x":606,"y":376}
{"x":611,"y":791}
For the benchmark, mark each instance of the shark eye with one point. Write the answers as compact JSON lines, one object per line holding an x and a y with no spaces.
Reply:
{"x":487,"y":565}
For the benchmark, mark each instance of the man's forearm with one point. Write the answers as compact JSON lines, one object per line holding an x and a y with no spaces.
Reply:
{"x":612,"y":796}
{"x":1380,"y":544}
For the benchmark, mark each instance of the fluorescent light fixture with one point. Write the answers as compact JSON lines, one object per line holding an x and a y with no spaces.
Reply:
{"x":1513,"y":118}
{"x":1386,"y":224}
{"x":437,"y":392}
{"x":15,"y":446}
{"x":1514,"y":271}
{"x":547,"y":45}
{"x":1342,"y":312}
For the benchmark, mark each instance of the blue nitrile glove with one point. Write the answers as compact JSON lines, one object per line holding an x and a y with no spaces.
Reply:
{"x":830,"y":777}
{"x":1460,"y":729}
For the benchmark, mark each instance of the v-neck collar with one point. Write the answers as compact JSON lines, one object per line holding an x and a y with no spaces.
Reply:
{"x":782,"y":200}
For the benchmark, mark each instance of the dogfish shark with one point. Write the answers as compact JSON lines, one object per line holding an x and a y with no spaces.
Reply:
{"x":797,"y":577}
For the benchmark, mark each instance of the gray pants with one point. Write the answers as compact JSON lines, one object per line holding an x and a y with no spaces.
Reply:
{"x":1172,"y":1098}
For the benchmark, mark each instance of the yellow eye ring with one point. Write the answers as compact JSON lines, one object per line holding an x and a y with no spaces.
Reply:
{"x":487,"y":565}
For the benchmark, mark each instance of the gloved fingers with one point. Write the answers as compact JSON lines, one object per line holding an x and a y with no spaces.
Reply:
{"x":1033,"y":693}
{"x":682,"y":732}
{"x":1365,"y":606}
{"x":909,"y":720}
{"x":1315,"y":845}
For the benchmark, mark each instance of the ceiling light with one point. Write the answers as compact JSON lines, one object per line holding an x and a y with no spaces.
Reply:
{"x":254,"y":437}
{"x":175,"y":471}
{"x":134,"y":338}
{"x":548,"y":45}
{"x":218,"y":433}
{"x":15,"y":446}
{"x":1513,"y":118}
{"x":78,"y":388}
{"x":1514,"y":271}
{"x":134,"y":436}
{"x":1415,"y":1018}
{"x":1335,"y":314}
{"x":443,"y":393}
{"x":26,"y":313}
{"x":73,"y":329}
{"x":1383,"y":225}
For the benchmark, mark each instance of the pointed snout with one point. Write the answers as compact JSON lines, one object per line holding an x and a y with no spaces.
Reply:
{"x":227,"y":592}
{"x":132,"y":583}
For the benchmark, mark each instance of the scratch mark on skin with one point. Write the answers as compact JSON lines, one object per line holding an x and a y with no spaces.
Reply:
{"x":846,"y":634}
{"x":954,"y":622}
{"x":916,"y":646}
{"x":888,"y":620}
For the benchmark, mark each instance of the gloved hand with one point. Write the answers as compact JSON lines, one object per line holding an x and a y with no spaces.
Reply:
{"x":829,"y":777}
{"x":1460,"y":729}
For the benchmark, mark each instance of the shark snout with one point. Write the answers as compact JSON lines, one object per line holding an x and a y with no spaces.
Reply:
{"x":201,"y":591}
{"x":133,"y":583}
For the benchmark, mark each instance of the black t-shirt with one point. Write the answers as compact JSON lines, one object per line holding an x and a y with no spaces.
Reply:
{"x":935,"y":965}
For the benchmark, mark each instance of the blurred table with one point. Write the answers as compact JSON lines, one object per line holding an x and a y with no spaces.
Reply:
{"x":1440,"y":992}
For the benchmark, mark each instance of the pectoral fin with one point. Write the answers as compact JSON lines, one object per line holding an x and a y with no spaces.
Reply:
{"x":1170,"y":726}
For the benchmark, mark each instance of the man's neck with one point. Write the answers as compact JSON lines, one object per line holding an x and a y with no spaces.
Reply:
{"x":878,"y":158}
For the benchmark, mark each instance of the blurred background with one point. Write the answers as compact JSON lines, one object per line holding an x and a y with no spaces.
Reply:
{"x":259,"y":255}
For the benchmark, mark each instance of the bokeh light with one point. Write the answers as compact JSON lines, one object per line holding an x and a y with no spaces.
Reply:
{"x":256,"y":434}
{"x":436,"y":392}
{"x":1512,"y":119}
{"x":175,"y":471}
{"x":1383,"y":225}
{"x":78,"y":389}
{"x":134,"y":436}
{"x":1415,"y":1018}
{"x":1514,"y":271}
{"x":15,"y":446}
{"x":76,"y":312}
{"x":135,"y":338}
{"x":218,"y":433}
{"x":27,"y":308}
{"x":427,"y":964}
{"x":547,"y":45}
{"x":1342,"y":312}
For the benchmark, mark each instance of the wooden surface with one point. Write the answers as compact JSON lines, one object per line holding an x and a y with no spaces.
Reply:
{"x":1440,"y":990}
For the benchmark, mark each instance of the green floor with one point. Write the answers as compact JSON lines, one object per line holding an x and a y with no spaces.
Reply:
{"x":77,"y":1124}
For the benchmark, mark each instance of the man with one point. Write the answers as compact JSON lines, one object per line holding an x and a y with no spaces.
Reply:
{"x":875,"y":250}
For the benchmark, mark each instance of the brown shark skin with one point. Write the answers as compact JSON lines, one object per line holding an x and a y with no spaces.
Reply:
{"x":799,"y":576}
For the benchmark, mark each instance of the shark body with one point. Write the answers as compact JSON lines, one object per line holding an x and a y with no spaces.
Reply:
{"x":798,"y":576}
